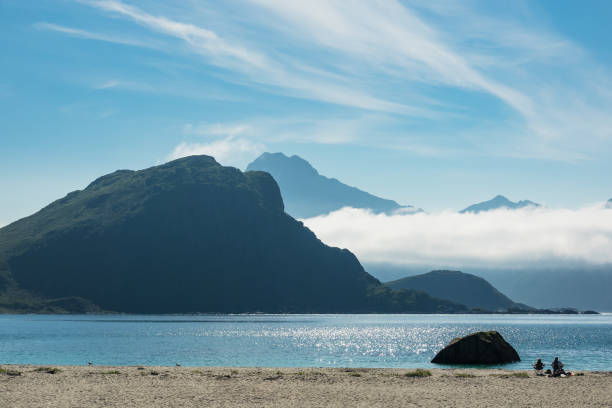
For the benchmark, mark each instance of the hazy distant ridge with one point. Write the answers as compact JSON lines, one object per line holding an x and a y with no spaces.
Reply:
{"x":306,"y":193}
{"x":498,"y":202}
{"x":460,"y":287}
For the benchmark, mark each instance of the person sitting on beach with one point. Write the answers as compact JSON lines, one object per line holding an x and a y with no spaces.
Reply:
{"x":539,"y":366}
{"x":557,"y":367}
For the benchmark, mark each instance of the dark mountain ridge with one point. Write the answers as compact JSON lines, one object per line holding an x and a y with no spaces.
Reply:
{"x":186,"y":236}
{"x":496,"y":202}
{"x":460,"y":287}
{"x":306,"y":193}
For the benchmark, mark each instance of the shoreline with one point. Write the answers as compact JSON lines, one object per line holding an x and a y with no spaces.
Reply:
{"x":5,"y":310}
{"x":150,"y":386}
{"x":444,"y":368}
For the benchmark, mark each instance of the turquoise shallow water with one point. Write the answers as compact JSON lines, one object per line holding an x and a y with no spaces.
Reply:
{"x":581,"y":342}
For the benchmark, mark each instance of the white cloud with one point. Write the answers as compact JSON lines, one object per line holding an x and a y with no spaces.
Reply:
{"x":298,"y":129}
{"x":199,"y":38}
{"x":216,"y":129}
{"x":394,"y":57}
{"x":112,"y":83}
{"x":89,"y":35}
{"x":516,"y":63}
{"x":230,"y":151}
{"x":299,"y":79}
{"x":501,"y":238}
{"x":119,"y":84}
{"x":386,"y":34}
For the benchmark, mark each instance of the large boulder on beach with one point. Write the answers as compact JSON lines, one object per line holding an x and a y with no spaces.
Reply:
{"x":477,"y":348}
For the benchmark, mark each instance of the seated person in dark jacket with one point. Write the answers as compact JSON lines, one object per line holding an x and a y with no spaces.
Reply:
{"x":557,"y":367}
{"x":539,"y":366}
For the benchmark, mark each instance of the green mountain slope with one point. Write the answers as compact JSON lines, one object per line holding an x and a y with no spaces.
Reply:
{"x":186,"y":236}
{"x":459,"y":287}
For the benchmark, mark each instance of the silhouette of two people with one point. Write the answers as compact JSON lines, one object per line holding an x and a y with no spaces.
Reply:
{"x":557,"y":368}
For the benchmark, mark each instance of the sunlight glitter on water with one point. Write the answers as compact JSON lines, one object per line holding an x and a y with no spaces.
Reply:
{"x":289,"y":340}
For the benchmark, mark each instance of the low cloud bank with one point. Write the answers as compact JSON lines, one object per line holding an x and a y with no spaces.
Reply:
{"x":530,"y":237}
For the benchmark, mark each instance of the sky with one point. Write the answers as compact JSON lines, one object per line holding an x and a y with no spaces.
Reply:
{"x":436,"y":104}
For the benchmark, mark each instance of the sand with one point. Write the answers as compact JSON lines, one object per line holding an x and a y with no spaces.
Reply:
{"x":93,"y":386}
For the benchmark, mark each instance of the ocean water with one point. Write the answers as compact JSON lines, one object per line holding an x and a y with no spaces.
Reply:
{"x":582,"y":342}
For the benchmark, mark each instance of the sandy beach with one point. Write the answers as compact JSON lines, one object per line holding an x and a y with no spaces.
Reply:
{"x":96,"y":386}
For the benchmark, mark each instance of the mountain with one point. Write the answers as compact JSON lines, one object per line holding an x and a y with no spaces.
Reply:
{"x":583,"y":287}
{"x":498,"y":202}
{"x":306,"y":193}
{"x":187,"y":236}
{"x":578,"y":286}
{"x":464,"y":288}
{"x":609,"y":203}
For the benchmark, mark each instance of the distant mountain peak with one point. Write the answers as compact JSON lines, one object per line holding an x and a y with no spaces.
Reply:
{"x":470,"y":290}
{"x":499,"y":201}
{"x":609,"y":203}
{"x":281,"y":162}
{"x":307,"y":193}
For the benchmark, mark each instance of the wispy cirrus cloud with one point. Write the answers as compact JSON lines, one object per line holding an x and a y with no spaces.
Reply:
{"x":90,"y":35}
{"x":385,"y":34}
{"x":434,"y":63}
{"x":298,"y":129}
{"x":459,"y":47}
{"x":238,"y":143}
{"x":216,"y":129}
{"x":302,"y":79}
{"x":200,"y":39}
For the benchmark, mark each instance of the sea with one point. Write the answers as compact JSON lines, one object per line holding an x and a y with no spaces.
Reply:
{"x":582,"y":342}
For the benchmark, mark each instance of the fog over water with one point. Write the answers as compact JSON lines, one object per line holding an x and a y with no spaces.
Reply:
{"x":525,"y":238}
{"x":539,"y":256}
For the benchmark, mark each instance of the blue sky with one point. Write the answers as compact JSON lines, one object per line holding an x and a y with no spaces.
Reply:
{"x":434,"y":104}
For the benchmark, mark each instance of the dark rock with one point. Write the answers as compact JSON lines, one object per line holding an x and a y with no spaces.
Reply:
{"x":477,"y":348}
